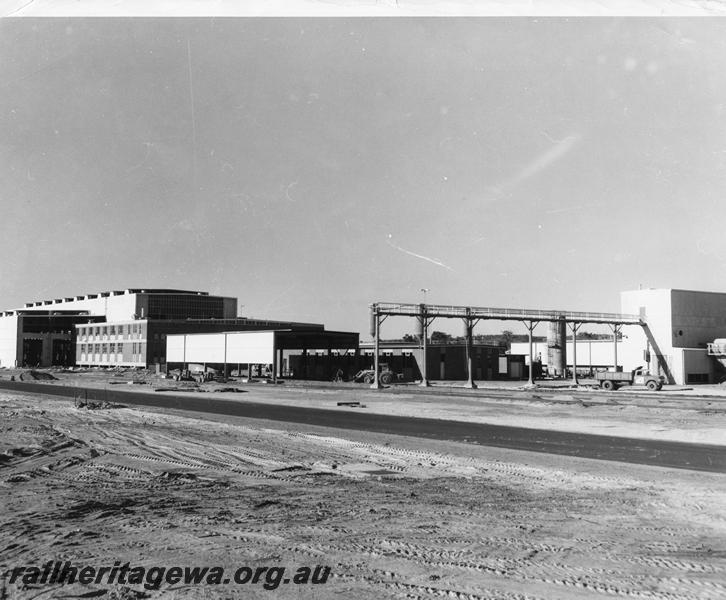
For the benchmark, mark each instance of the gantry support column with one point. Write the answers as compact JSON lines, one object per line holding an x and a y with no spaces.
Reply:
{"x":424,"y":321}
{"x":224,"y":368}
{"x":376,"y":333}
{"x":574,"y":327}
{"x":276,"y":358}
{"x":616,"y":331}
{"x":530,"y":325}
{"x":469,"y":335}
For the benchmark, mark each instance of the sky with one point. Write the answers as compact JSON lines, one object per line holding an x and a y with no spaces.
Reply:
{"x":312,"y":166}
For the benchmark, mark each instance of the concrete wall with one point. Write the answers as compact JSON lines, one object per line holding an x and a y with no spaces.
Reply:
{"x":694,"y":365}
{"x":697,"y":318}
{"x":657,"y":338}
{"x":8,"y":341}
{"x":251,"y":347}
{"x":241,"y":347}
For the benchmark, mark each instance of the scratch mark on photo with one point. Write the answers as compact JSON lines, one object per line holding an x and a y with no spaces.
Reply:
{"x":550,"y":156}
{"x":194,"y":120}
{"x":434,"y":261}
{"x":287,"y":190}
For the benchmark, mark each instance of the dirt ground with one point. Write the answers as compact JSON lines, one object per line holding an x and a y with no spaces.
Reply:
{"x":393,"y":517}
{"x":693,"y":415}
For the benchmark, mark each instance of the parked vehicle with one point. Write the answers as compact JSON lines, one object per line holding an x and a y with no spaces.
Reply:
{"x":386,"y":376}
{"x":612,"y":380}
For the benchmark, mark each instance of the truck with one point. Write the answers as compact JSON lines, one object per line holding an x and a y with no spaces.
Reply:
{"x":612,"y":380}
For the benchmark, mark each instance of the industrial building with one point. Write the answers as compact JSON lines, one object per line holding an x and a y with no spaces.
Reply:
{"x":143,"y":342}
{"x":46,"y":332}
{"x":680,"y":324}
{"x":124,"y":328}
{"x":675,"y":338}
{"x":443,"y":360}
{"x":40,"y":337}
{"x":680,"y":334}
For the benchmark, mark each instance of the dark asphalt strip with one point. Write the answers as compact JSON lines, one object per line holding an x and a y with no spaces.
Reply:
{"x":697,"y":457}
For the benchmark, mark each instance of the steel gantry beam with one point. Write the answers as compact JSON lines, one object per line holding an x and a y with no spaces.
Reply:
{"x":426,"y":313}
{"x":503,"y":314}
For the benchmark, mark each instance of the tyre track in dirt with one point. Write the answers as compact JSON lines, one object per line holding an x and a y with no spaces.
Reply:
{"x":440,"y":526}
{"x":610,"y":581}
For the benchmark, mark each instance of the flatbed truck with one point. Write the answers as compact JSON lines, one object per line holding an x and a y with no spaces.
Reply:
{"x":612,"y":380}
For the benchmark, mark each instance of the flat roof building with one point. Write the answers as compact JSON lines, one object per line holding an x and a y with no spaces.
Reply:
{"x":145,"y":303}
{"x":444,"y":361}
{"x":125,"y":328}
{"x":143,"y":342}
{"x":680,"y":325}
{"x":300,"y":352}
{"x":43,"y":333}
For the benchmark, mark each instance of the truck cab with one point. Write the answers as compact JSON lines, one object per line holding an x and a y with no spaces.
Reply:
{"x":641,"y":376}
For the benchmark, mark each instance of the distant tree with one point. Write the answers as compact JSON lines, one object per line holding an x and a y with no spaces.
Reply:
{"x":409,"y":337}
{"x":588,"y":335}
{"x":439,"y":337}
{"x":507,"y":337}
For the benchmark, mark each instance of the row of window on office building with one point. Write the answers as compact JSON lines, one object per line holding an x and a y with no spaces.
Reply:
{"x":110,"y":352}
{"x":105,"y":331}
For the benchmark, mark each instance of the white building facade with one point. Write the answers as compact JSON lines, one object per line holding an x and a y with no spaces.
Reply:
{"x":680,"y":324}
{"x":592,"y":355}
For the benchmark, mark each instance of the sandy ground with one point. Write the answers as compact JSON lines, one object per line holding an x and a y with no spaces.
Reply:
{"x":393,"y":517}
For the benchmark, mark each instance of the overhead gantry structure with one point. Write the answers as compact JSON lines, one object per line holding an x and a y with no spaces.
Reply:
{"x":471,"y":315}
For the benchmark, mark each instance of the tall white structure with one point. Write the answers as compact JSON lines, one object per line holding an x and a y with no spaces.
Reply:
{"x":680,"y":324}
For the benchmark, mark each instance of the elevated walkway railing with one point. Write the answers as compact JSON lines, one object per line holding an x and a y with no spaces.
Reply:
{"x":519,"y":314}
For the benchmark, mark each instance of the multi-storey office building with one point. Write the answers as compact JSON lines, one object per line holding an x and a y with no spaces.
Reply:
{"x":114,"y":326}
{"x":128,"y":328}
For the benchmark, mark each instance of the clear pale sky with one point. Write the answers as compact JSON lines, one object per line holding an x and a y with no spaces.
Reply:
{"x":312,"y":166}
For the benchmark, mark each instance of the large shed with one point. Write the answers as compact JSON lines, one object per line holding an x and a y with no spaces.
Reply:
{"x":233,"y":350}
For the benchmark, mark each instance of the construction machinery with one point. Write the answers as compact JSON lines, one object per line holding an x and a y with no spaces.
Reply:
{"x":386,"y":376}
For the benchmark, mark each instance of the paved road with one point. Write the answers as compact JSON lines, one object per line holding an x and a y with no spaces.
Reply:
{"x":698,"y":457}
